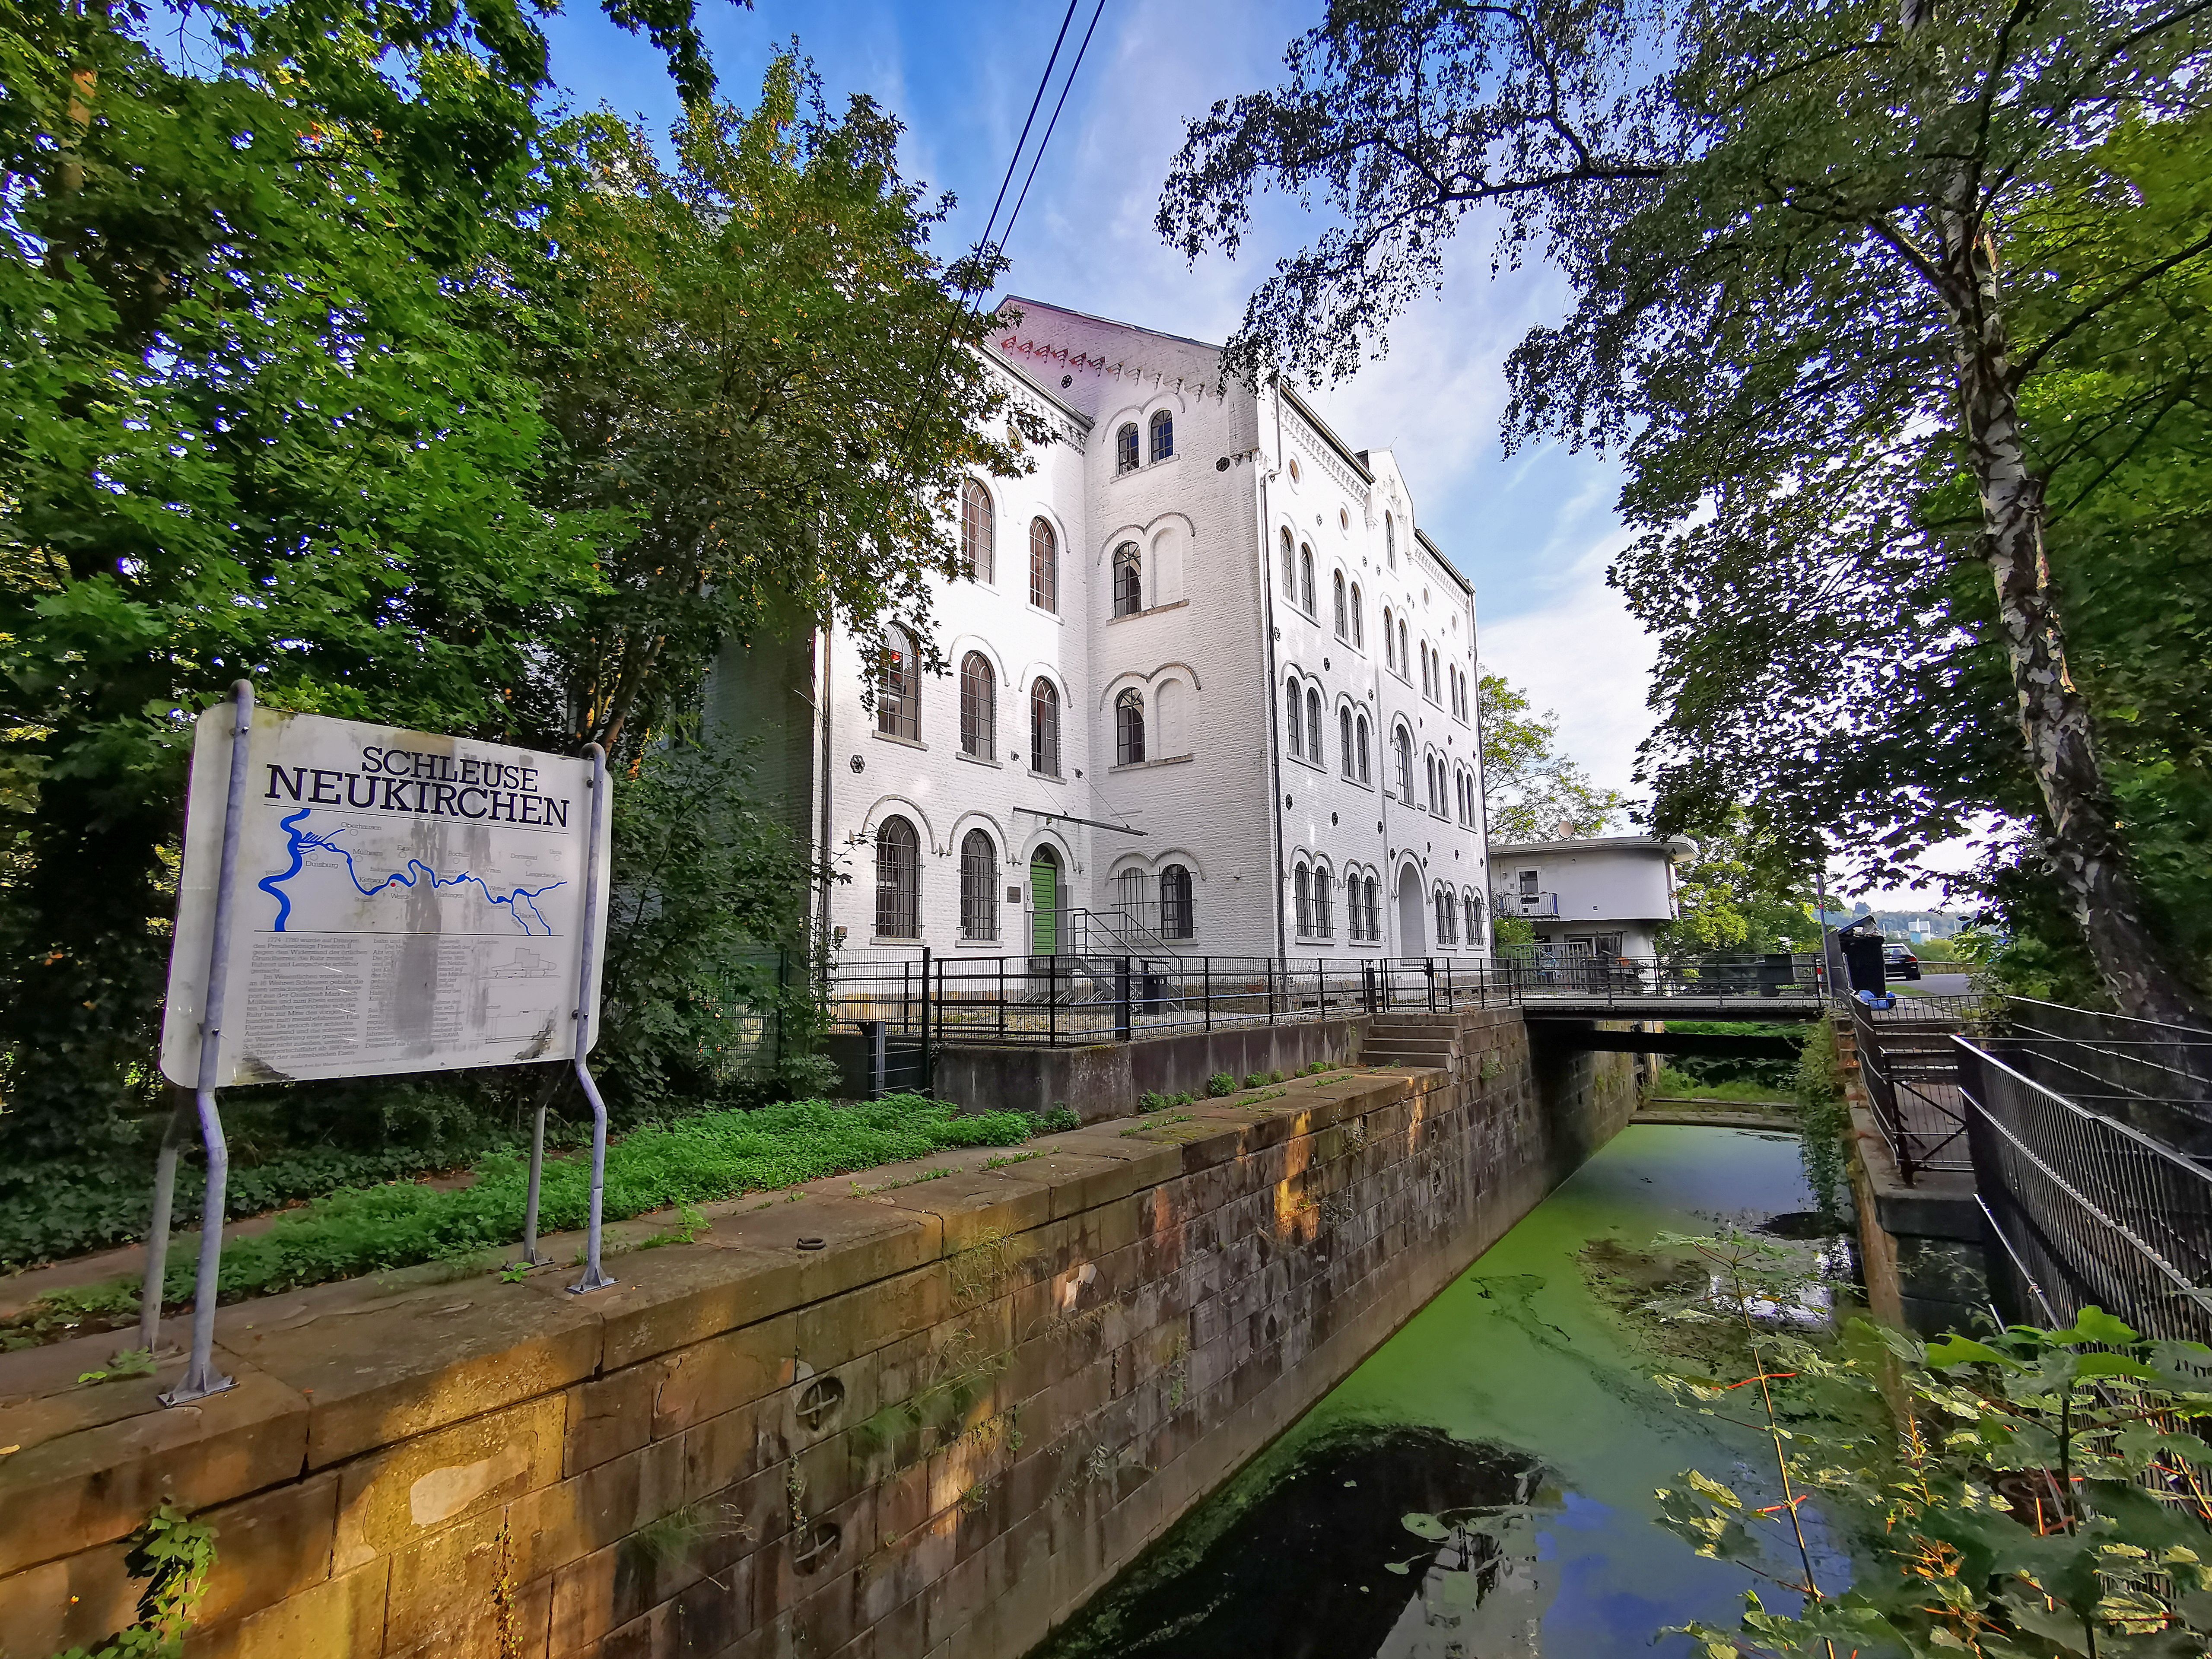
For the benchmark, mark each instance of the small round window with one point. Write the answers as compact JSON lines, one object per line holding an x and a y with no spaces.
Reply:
{"x":1343,"y":518}
{"x":1294,"y":469}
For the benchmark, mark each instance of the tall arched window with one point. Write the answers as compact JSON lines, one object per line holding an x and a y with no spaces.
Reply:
{"x":1294,"y":725}
{"x":898,"y":688}
{"x":1306,"y":580}
{"x":1404,"y":740}
{"x":1163,"y":434}
{"x":1404,"y":657}
{"x":1390,"y":540}
{"x":1045,"y":727}
{"x":979,"y":886}
{"x":1324,"y":922}
{"x":1447,"y":917}
{"x":1129,"y":893}
{"x":1389,"y":643}
{"x":1128,"y":580}
{"x":1177,"y":919}
{"x":1044,"y":566}
{"x":1290,"y":568}
{"x":1362,"y":734}
{"x":1124,"y":448}
{"x":1343,"y":617}
{"x":1374,"y":907}
{"x":1472,"y":901}
{"x":979,"y":536}
{"x":979,"y":708}
{"x":1302,"y":893}
{"x":898,"y":880}
{"x":1314,"y":752}
{"x":1428,"y":679}
{"x":1344,"y":750}
{"x":1129,"y":728}
{"x":1359,"y":628}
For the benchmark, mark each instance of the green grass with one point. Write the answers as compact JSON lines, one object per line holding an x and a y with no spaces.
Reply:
{"x":1681,"y":1086}
{"x":694,"y":1160}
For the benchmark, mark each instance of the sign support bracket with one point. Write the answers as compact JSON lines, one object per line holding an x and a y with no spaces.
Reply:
{"x":201,"y":1378}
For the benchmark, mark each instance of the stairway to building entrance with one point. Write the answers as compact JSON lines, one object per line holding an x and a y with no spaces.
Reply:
{"x":1398,"y":1040}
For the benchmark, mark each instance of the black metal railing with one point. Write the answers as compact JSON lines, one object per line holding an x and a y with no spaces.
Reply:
{"x":2087,"y":1210}
{"x":1910,"y":1068}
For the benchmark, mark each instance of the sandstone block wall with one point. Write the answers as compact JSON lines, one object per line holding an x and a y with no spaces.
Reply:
{"x":925,"y":1411}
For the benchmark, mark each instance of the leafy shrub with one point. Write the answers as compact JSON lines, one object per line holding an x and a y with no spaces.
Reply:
{"x":1256,"y":1080}
{"x":1061,"y":1117}
{"x":174,"y":1555}
{"x":1824,"y":1119}
{"x":1274,"y":1076}
{"x":1150,"y":1102}
{"x":1220,"y":1084}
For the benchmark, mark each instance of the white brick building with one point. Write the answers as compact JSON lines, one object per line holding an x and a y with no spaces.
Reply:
{"x":1212,"y":687}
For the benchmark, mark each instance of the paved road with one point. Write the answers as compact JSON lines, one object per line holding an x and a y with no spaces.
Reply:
{"x":1936,"y":984}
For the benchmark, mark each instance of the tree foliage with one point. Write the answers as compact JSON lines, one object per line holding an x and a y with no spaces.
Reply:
{"x":1530,"y":791}
{"x":1742,"y":893}
{"x":1842,"y":274}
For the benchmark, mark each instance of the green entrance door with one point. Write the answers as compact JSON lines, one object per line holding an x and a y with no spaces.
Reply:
{"x":1044,"y":903}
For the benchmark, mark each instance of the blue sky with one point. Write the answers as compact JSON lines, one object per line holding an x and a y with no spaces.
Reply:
{"x":1533,"y":533}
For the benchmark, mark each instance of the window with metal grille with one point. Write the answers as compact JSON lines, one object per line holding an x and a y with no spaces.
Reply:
{"x":1045,"y":727}
{"x":1472,"y":901}
{"x":1129,"y":728}
{"x":898,"y":688}
{"x":1302,"y":891}
{"x":1163,"y":434}
{"x":1177,"y":920}
{"x":1044,"y":566}
{"x":1124,"y":448}
{"x":1129,"y":894}
{"x":1324,"y":922}
{"x":979,"y":704}
{"x":898,"y":880}
{"x":979,"y":886}
{"x":1128,"y":580}
{"x":1374,"y":907}
{"x":978,"y":530}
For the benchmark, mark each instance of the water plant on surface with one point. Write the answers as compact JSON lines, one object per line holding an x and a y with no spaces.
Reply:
{"x":174,"y":1555}
{"x":2037,"y":1494}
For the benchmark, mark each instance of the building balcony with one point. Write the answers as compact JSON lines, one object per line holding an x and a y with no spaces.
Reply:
{"x":1530,"y":905}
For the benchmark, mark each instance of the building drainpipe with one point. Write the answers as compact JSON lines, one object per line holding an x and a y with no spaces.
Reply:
{"x":1482,"y":789}
{"x":1273,"y":691}
{"x":822,"y":904}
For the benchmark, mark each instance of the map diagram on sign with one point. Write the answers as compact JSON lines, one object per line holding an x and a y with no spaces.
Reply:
{"x":316,"y":854}
{"x":404,"y":902}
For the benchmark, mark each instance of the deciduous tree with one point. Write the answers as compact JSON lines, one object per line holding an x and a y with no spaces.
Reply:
{"x":1530,"y":791}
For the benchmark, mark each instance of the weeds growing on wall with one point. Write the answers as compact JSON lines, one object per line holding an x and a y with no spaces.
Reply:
{"x":694,"y":1160}
{"x":174,"y":1555}
{"x":1824,"y":1120}
{"x":2041,"y":1494}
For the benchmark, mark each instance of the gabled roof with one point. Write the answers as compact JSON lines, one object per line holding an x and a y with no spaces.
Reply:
{"x":1447,"y":567}
{"x":1049,"y":393}
{"x":1349,"y":457}
{"x":1111,"y":322}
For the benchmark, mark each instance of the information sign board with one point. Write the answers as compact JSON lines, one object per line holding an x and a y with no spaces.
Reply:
{"x":404,"y":902}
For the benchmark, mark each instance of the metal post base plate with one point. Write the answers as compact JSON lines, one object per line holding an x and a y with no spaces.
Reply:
{"x":190,"y":1388}
{"x":594,"y":1280}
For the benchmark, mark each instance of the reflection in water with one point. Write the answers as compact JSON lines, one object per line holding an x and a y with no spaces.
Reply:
{"x":1481,"y":1487}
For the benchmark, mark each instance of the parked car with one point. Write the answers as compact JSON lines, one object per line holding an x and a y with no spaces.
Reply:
{"x":1898,"y":962}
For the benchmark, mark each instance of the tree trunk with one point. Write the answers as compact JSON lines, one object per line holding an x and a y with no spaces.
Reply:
{"x":2086,"y":850}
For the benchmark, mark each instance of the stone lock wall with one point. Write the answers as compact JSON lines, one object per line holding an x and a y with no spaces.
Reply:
{"x":925,"y":1411}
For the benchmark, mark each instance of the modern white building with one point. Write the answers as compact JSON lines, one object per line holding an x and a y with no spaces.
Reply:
{"x":1211,"y":691}
{"x":1604,"y":896}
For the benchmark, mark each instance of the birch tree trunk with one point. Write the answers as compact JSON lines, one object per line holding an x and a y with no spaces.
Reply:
{"x":2086,"y":850}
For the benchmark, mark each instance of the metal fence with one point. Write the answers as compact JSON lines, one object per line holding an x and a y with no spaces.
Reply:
{"x":2087,"y":1210}
{"x":1909,"y":1066}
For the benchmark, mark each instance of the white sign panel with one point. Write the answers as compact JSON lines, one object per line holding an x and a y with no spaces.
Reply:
{"x":403,"y":902}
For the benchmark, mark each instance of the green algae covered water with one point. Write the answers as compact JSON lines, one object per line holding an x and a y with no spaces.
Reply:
{"x":1482,"y":1487}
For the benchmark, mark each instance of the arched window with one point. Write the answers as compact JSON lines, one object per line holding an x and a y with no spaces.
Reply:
{"x":1363,"y":748}
{"x":1472,"y":901}
{"x":1129,"y":893}
{"x":1404,"y":740}
{"x":1163,"y":434}
{"x":1343,"y":609}
{"x":1129,"y":728}
{"x":1374,"y":907}
{"x":1290,"y":568}
{"x":979,"y":886}
{"x":1359,"y":628}
{"x":1044,"y":566}
{"x":1306,"y":580}
{"x":1294,"y":725}
{"x":1344,"y":748}
{"x":1301,"y":890}
{"x":979,"y":536}
{"x":1045,"y":727}
{"x":1390,"y":540}
{"x":979,"y":708}
{"x":1447,"y":917}
{"x":898,"y":688}
{"x":1355,"y":914}
{"x":1389,"y":646}
{"x":1314,"y":752}
{"x":1428,"y":685}
{"x":1124,"y":448}
{"x":1324,"y":922}
{"x":1177,"y":919}
{"x":1128,"y":580}
{"x":898,"y":880}
{"x":1404,"y":657}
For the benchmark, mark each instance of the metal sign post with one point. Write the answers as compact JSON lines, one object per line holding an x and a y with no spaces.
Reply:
{"x":586,"y":1006}
{"x":201,"y":1378}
